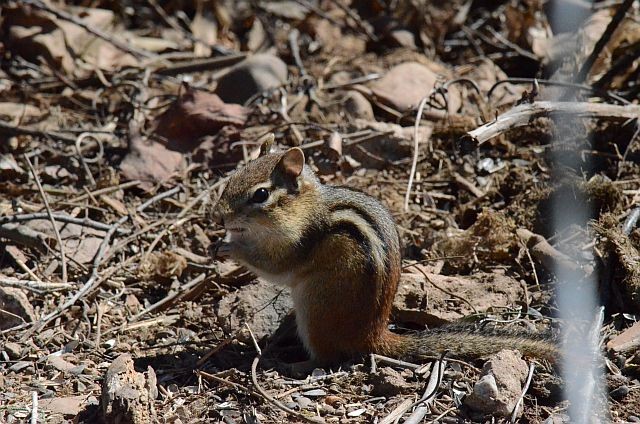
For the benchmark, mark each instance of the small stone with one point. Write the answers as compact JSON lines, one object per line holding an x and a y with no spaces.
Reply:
{"x":633,"y":419}
{"x":389,"y":382}
{"x":255,"y":305}
{"x":619,"y":392}
{"x":403,"y":38}
{"x":15,"y":302}
{"x":304,"y":402}
{"x":357,"y":106}
{"x":405,"y":85}
{"x":252,"y":76}
{"x":500,"y":385}
{"x":13,"y":350}
{"x":315,"y":393}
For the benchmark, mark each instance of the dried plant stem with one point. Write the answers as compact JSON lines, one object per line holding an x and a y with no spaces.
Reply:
{"x":63,"y":256}
{"x":416,"y":143}
{"x":267,"y":396}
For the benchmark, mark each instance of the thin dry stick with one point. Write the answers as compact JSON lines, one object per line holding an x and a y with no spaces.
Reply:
{"x":267,"y":396}
{"x":92,"y":30}
{"x":93,"y":279}
{"x":437,"y":372}
{"x":522,"y":115}
{"x":182,"y":214}
{"x":171,"y":296}
{"x":105,"y":190}
{"x":33,"y":285}
{"x":85,"y":222}
{"x":397,"y":412}
{"x":424,"y":274}
{"x":514,"y":413}
{"x":63,"y":256}
{"x":416,"y":142}
{"x":34,"y":407}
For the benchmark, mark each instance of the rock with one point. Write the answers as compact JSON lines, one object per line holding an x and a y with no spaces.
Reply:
{"x":415,"y":293}
{"x":403,"y":38}
{"x":626,"y":341}
{"x":389,"y":382}
{"x":500,"y":384}
{"x":305,"y":402}
{"x":262,"y":306}
{"x":59,"y":363}
{"x":128,"y":396}
{"x":406,"y":84}
{"x":13,"y":350}
{"x":256,"y":74}
{"x":69,"y":405}
{"x":357,"y":106}
{"x":15,"y":302}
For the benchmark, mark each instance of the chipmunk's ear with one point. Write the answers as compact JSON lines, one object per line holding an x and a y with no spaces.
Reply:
{"x":267,"y":143}
{"x":291,"y":163}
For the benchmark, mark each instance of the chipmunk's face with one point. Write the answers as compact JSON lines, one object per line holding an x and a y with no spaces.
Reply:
{"x":259,"y":207}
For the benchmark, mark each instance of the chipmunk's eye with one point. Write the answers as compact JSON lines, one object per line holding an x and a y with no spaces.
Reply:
{"x":260,"y":195}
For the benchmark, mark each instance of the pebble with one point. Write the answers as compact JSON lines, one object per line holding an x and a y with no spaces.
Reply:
{"x":357,"y":106}
{"x":304,"y":402}
{"x":252,"y":76}
{"x":500,"y":385}
{"x":13,"y":350}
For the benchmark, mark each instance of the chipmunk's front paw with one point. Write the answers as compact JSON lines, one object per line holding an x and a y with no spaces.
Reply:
{"x":301,"y":369}
{"x":222,"y":249}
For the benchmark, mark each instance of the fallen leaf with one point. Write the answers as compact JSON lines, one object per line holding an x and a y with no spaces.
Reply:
{"x":150,"y":162}
{"x":70,"y":405}
{"x":195,"y":114}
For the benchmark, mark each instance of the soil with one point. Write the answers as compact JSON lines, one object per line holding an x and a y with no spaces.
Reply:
{"x":127,"y":148}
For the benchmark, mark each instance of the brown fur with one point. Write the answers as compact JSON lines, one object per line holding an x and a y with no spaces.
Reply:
{"x":339,"y":252}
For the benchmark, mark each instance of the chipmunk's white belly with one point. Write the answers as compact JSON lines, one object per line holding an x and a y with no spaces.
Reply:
{"x":288,"y":279}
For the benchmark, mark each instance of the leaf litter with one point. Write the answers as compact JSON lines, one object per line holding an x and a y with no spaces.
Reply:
{"x":133,"y":112}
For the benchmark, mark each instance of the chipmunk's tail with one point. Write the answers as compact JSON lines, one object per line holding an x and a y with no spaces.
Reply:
{"x":470,"y":341}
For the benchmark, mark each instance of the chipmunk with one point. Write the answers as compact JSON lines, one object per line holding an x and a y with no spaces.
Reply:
{"x":338,"y":251}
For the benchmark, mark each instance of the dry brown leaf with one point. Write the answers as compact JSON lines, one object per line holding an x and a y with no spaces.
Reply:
{"x":195,"y":114}
{"x":150,"y":162}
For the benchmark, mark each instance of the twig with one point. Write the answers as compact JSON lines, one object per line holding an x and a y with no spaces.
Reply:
{"x":437,"y":372}
{"x":92,"y":30}
{"x":182,"y":214}
{"x":201,"y":65}
{"x":93,"y":278}
{"x":600,"y":92}
{"x":85,"y":222}
{"x":522,"y":115}
{"x":34,"y":407}
{"x":514,"y":413}
{"x":429,"y":278}
{"x":221,"y":380}
{"x":37,"y":286}
{"x":13,"y":130}
{"x":397,"y":412}
{"x":63,"y":256}
{"x":602,"y":42}
{"x":170,"y":297}
{"x":416,"y":142}
{"x":390,"y":361}
{"x":263,"y":392}
{"x":468,"y":185}
{"x":105,"y":190}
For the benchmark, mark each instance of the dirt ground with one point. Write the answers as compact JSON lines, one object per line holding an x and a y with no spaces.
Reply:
{"x":120,"y":120}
